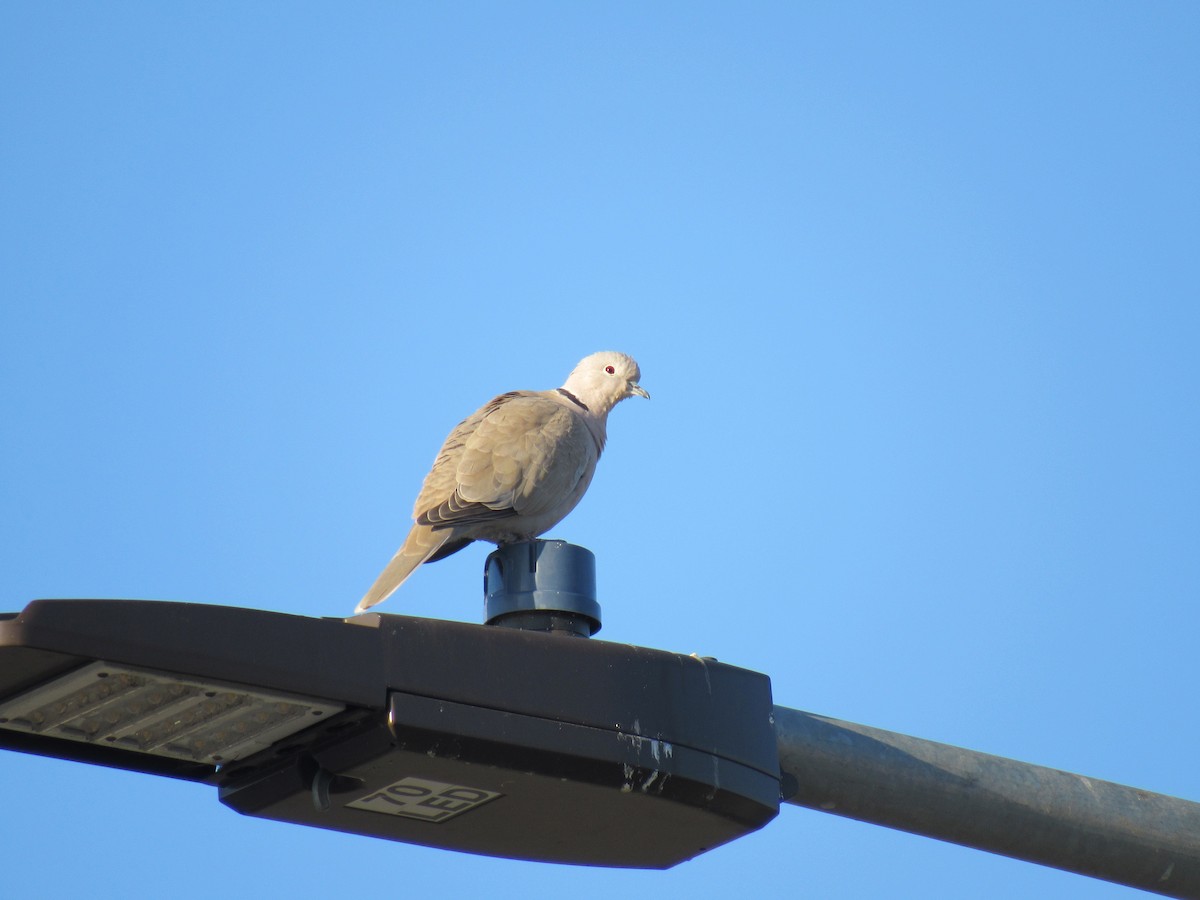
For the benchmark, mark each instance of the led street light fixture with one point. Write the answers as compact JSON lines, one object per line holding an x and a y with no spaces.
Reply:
{"x":498,"y":741}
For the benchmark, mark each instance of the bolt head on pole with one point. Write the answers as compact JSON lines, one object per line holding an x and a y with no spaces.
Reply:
{"x":542,"y":586}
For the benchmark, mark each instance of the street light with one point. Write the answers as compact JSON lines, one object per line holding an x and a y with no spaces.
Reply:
{"x":527,"y":740}
{"x":494,"y":740}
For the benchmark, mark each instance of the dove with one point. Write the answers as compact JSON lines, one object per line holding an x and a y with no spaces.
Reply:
{"x":513,"y":469}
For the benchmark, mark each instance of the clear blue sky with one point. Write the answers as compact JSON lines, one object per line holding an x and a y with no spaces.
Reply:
{"x":915,"y":288}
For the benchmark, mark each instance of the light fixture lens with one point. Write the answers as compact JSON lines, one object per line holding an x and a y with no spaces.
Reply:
{"x":161,"y":714}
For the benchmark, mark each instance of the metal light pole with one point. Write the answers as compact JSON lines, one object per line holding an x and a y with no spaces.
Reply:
{"x":1083,"y":825}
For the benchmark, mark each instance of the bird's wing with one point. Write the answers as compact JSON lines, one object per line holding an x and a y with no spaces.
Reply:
{"x":521,"y":455}
{"x":440,"y":483}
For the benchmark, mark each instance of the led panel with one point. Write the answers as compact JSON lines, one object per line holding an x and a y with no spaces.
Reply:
{"x":161,"y":714}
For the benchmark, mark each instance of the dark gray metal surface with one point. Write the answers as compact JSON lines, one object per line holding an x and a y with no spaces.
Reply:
{"x":581,"y":751}
{"x":1084,"y":825}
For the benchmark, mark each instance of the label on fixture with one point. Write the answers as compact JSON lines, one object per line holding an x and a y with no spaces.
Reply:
{"x":422,"y":798}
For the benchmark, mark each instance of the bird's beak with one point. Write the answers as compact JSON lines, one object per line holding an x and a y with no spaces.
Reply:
{"x":636,"y":389}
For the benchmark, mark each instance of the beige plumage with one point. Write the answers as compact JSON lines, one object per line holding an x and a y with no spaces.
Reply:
{"x":514,"y":468}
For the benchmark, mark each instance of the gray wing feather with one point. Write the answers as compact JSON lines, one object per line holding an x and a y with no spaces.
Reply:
{"x":521,"y":454}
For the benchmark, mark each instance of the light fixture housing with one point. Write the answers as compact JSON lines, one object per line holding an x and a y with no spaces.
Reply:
{"x":481,"y":739}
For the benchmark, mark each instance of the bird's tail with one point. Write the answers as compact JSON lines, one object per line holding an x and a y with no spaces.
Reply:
{"x":422,"y":543}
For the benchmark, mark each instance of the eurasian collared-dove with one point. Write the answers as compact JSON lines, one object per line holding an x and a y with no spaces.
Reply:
{"x":514,"y":468}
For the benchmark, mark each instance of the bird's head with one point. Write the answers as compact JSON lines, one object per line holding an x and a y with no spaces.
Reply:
{"x":604,"y":379}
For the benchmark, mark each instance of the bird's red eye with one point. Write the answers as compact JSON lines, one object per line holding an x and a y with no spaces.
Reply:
{"x":610,"y":370}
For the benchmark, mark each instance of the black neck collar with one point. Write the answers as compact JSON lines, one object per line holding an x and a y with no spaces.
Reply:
{"x":574,"y":399}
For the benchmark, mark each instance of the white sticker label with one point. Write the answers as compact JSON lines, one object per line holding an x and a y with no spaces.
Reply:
{"x":420,"y":798}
